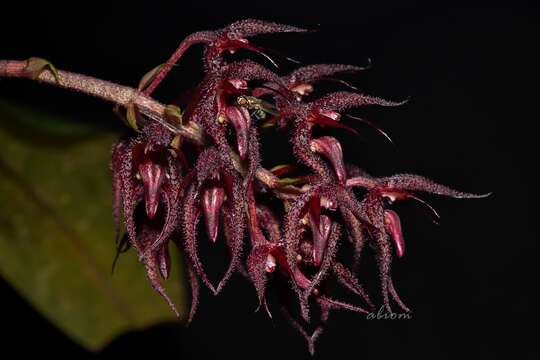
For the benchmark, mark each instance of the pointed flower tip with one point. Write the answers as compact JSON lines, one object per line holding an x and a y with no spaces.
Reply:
{"x":369,"y":64}
{"x":402,"y":102}
{"x":410,"y":182}
{"x":220,"y":287}
{"x":263,"y":303}
{"x":475,"y":196}
{"x":252,"y":27}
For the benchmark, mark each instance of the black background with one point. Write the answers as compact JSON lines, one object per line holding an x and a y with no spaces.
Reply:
{"x":469,"y":72}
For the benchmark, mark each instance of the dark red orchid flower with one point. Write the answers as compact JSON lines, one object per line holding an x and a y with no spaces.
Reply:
{"x":302,"y":80}
{"x":286,"y":223}
{"x":231,"y":38}
{"x":386,"y":222}
{"x":147,"y":172}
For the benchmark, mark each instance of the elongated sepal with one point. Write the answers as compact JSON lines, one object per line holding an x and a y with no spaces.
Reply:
{"x":152,"y":273}
{"x":259,"y":263}
{"x":330,"y":304}
{"x":195,"y":289}
{"x":419,"y":183}
{"x":343,"y":100}
{"x":346,"y":278}
{"x":251,"y":27}
{"x":312,"y":73}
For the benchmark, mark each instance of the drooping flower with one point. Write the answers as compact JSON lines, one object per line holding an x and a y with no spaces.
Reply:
{"x":147,"y":172}
{"x":230,"y":38}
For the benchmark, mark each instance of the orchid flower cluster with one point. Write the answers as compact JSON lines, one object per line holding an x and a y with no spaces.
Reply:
{"x":283,"y":224}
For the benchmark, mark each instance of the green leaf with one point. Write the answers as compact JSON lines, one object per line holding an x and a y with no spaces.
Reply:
{"x":56,"y":233}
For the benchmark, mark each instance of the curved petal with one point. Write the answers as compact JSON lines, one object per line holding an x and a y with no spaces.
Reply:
{"x":343,"y":100}
{"x":190,"y":218}
{"x":419,"y":183}
{"x":331,"y":249}
{"x":346,"y":278}
{"x":393,"y":226}
{"x":251,"y":27}
{"x":257,"y":266}
{"x":204,"y":37}
{"x":237,"y":223}
{"x":312,"y":73}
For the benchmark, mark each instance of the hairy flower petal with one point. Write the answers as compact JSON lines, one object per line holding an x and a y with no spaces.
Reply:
{"x":118,"y":153}
{"x":335,"y":233}
{"x":411,"y":182}
{"x":312,"y":73}
{"x":257,"y":266}
{"x":343,"y":100}
{"x":191,"y":216}
{"x":194,"y":284}
{"x":346,"y":278}
{"x":311,"y":339}
{"x":251,"y":27}
{"x":237,"y":223}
